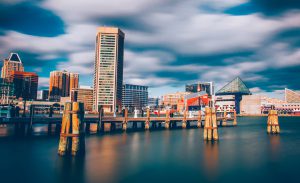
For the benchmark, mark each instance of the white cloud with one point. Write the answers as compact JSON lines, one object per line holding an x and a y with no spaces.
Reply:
{"x":43,"y":82}
{"x":181,"y":27}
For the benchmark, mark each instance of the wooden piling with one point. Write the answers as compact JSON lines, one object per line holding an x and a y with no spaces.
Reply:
{"x":71,"y":136}
{"x":147,"y":122}
{"x":224,"y":122}
{"x":124,"y":125}
{"x":234,"y":118}
{"x":210,"y":125}
{"x":199,"y":122}
{"x":167,"y":120}
{"x":184,"y":120}
{"x":273,"y":123}
{"x":214,"y":124}
{"x":77,"y":127}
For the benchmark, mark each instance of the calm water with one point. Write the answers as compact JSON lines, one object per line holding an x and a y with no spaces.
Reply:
{"x":243,"y":154}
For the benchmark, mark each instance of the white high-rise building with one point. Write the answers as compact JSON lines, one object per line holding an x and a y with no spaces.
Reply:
{"x":108,"y":76}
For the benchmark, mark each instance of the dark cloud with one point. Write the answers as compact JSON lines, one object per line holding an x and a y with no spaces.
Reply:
{"x":243,"y":9}
{"x":213,"y":59}
{"x":277,"y":79}
{"x":274,"y":7}
{"x":127,"y":22}
{"x":290,"y":36}
{"x":266,"y":7}
{"x":30,"y":19}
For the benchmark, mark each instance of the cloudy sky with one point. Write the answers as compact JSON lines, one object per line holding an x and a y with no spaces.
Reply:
{"x":168,"y":42}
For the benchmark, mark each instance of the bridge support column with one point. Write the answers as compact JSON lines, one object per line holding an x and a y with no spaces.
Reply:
{"x":71,"y":136}
{"x":199,"y":122}
{"x":124,"y":125}
{"x":224,"y":122}
{"x":234,"y":118}
{"x":184,"y":120}
{"x":100,"y":124}
{"x":210,"y":126}
{"x":167,"y":122}
{"x":273,"y":124}
{"x":30,"y":124}
{"x":147,"y":122}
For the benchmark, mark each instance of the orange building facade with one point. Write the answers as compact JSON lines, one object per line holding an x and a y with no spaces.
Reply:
{"x":61,"y":83}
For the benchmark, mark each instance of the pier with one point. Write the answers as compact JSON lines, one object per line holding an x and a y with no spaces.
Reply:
{"x":106,"y":123}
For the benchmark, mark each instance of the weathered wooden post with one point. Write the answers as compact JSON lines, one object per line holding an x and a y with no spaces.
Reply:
{"x":147,"y":122}
{"x":71,"y":136}
{"x":273,"y":124}
{"x":184,"y":119}
{"x":199,"y":122}
{"x":234,"y":118}
{"x":210,"y":125}
{"x":207,"y":122}
{"x":214,"y":124}
{"x":78,"y":141}
{"x":224,"y":122}
{"x":167,"y":120}
{"x":124,"y":125}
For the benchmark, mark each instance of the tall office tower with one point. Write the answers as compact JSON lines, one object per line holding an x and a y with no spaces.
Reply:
{"x":25,"y":84}
{"x":61,"y":83}
{"x":13,"y":63}
{"x":108,"y":76}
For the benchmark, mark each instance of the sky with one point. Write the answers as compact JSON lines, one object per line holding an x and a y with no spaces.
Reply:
{"x":168,"y":43}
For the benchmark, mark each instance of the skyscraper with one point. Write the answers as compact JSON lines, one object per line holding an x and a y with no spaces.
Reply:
{"x":61,"y":83}
{"x":13,"y":63}
{"x":108,"y":76}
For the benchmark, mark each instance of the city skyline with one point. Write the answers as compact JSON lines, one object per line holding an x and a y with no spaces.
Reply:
{"x":165,"y":48}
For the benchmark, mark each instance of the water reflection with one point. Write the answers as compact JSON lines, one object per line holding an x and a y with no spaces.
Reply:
{"x":274,"y":147}
{"x":70,"y":169}
{"x":211,"y":159}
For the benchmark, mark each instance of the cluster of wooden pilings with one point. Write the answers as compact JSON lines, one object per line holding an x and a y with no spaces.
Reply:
{"x":273,"y":123}
{"x":210,"y":125}
{"x":225,"y":119}
{"x":72,"y":135}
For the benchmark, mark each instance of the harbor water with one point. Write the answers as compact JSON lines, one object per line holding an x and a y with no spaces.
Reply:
{"x":245,"y":153}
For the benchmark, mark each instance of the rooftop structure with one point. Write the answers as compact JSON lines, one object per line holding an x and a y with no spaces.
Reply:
{"x":291,"y":96}
{"x":237,"y":88}
{"x":207,"y":87}
{"x":13,"y":63}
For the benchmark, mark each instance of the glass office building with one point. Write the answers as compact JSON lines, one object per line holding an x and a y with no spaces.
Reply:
{"x":135,"y":96}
